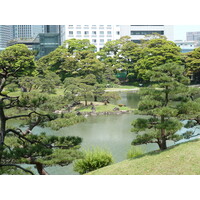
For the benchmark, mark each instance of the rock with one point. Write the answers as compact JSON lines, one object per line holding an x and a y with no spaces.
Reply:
{"x":116,"y":109}
{"x":78,"y":113}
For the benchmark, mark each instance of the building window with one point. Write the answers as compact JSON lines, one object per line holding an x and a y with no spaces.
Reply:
{"x":109,"y":32}
{"x":146,"y":32}
{"x":71,"y":26}
{"x":101,"y":26}
{"x":117,"y":32}
{"x":101,"y":40}
{"x":70,"y":32}
{"x":101,"y":32}
{"x":136,"y":41}
{"x":86,"y":26}
{"x":94,"y":32}
{"x":79,"y":32}
{"x":108,"y":40}
{"x":86,"y":32}
{"x":94,"y":40}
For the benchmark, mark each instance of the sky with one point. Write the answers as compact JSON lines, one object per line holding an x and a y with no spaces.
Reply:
{"x":180,"y":31}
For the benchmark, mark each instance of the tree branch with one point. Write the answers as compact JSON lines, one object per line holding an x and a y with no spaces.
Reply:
{"x":18,"y":116}
{"x":14,"y":165}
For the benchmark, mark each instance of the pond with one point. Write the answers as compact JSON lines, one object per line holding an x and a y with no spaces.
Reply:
{"x":112,"y":132}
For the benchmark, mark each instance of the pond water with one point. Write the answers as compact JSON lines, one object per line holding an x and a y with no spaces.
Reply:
{"x":112,"y":132}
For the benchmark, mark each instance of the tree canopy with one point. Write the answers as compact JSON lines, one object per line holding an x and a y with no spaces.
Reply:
{"x":168,"y":84}
{"x":20,"y":145}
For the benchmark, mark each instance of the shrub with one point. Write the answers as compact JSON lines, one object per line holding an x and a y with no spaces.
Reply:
{"x":93,"y":159}
{"x":134,"y":152}
{"x":12,"y":87}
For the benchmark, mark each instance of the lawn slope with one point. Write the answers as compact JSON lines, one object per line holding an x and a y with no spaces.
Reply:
{"x":183,"y":159}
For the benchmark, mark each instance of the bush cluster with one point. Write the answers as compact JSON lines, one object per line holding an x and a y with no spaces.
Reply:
{"x":93,"y":159}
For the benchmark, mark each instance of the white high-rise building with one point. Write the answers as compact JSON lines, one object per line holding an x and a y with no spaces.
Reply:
{"x":97,"y":34}
{"x":100,"y":34}
{"x":138,"y":32}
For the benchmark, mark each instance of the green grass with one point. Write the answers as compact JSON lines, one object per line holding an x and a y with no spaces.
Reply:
{"x":182,"y":159}
{"x":100,"y":107}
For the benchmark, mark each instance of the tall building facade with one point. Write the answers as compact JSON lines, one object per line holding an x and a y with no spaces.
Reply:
{"x":100,"y":34}
{"x":193,"y":36}
{"x":53,"y":36}
{"x":138,"y":32}
{"x":27,"y":31}
{"x":5,"y":35}
{"x":60,"y":29}
{"x":97,"y":34}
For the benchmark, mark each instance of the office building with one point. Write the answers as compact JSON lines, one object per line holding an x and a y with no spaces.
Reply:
{"x":53,"y":36}
{"x":45,"y":43}
{"x":186,"y":46}
{"x":5,"y":35}
{"x":138,"y":32}
{"x":97,"y":34}
{"x":27,"y":31}
{"x":100,"y":34}
{"x":28,"y":42}
{"x":193,"y":36}
{"x":56,"y":29}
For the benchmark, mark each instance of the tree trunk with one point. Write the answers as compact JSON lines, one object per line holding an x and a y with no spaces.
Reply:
{"x":162,"y":145}
{"x":39,"y":166}
{"x":85,"y":102}
{"x":40,"y":169}
{"x":95,"y":98}
{"x":3,"y":125}
{"x":166,"y":95}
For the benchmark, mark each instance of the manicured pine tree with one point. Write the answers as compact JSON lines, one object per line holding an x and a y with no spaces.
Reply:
{"x":161,"y":103}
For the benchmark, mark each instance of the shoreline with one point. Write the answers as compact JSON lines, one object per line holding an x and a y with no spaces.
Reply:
{"x":86,"y":114}
{"x":121,"y":90}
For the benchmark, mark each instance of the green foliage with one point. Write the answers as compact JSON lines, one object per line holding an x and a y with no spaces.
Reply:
{"x":74,"y":45}
{"x":47,"y":150}
{"x":34,"y":108}
{"x":134,"y":152}
{"x":82,"y":89}
{"x":155,"y":52}
{"x":67,"y":119}
{"x":12,"y":87}
{"x":17,"y":60}
{"x":108,"y":96}
{"x":158,"y":101}
{"x":93,"y":159}
{"x":192,"y":63}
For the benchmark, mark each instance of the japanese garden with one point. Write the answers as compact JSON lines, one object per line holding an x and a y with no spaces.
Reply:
{"x":120,"y":110}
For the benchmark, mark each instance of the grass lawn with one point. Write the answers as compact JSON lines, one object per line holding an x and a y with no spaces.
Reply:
{"x":183,"y":159}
